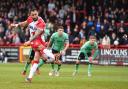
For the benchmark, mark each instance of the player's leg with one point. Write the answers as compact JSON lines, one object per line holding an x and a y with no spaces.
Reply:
{"x":34,"y":66}
{"x":26,"y":67}
{"x":76,"y":67}
{"x":80,"y":57}
{"x":38,"y":48}
{"x":89,"y":61}
{"x":52,"y":72}
{"x":31,"y":57}
{"x":59,"y":63}
{"x":41,"y":63}
{"x":51,"y":58}
{"x":53,"y":66}
{"x":42,"y":60}
{"x":89,"y":69}
{"x":49,"y":55}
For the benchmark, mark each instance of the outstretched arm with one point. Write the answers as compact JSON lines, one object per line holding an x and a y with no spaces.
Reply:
{"x":21,"y":24}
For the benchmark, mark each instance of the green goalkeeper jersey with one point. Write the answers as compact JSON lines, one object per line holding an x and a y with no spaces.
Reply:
{"x":87,"y":48}
{"x":58,"y":42}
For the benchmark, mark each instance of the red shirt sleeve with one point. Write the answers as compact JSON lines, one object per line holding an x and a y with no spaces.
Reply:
{"x":29,"y":19}
{"x":41,"y":25}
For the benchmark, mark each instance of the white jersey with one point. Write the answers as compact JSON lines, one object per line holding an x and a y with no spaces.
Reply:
{"x":33,"y":26}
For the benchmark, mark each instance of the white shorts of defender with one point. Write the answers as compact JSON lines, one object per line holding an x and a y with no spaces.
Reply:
{"x":48,"y":53}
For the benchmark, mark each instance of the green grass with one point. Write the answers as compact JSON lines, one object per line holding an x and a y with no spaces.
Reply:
{"x":104,"y":77}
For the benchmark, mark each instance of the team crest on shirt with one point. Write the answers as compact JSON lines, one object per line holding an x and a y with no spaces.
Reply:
{"x":32,"y":28}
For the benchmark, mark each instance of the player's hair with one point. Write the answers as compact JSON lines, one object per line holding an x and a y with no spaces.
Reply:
{"x":92,"y":37}
{"x":33,"y":9}
{"x":60,"y":27}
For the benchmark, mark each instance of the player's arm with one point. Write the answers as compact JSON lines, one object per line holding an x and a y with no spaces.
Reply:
{"x":40,"y":26}
{"x":37,"y":33}
{"x":96,"y":52}
{"x":66,"y":45}
{"x":83,"y":50}
{"x":50,"y":41}
{"x":39,"y":30}
{"x":20,"y":24}
{"x":23,"y":24}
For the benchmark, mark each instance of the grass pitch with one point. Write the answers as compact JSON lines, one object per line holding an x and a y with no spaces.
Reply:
{"x":103,"y":77}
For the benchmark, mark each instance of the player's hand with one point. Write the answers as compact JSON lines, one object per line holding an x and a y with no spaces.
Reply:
{"x":14,"y":25}
{"x":27,"y":43}
{"x":90,"y":60}
{"x":62,"y":52}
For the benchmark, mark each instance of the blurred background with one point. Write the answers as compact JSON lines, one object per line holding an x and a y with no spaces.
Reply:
{"x":107,"y":19}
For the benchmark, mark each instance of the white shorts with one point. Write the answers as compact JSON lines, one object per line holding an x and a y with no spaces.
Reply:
{"x":49,"y":55}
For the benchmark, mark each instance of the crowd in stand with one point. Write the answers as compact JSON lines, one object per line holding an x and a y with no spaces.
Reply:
{"x":106,"y":19}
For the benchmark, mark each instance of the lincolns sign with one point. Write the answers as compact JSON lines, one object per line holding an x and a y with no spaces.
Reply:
{"x":123,"y":53}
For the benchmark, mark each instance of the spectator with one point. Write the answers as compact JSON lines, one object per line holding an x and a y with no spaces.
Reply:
{"x":1,"y":31}
{"x":90,"y":22}
{"x":92,"y":31}
{"x":82,"y":34}
{"x":98,"y":26}
{"x":27,"y":35}
{"x":113,"y":38}
{"x":83,"y":40}
{"x":113,"y":26}
{"x":51,"y":6}
{"x":125,"y":39}
{"x":101,"y":34}
{"x":76,"y":35}
{"x":84,"y":29}
{"x":15,"y":38}
{"x":68,"y":29}
{"x":106,"y":42}
{"x":107,"y":17}
{"x":68,"y":20}
{"x":121,"y":34}
{"x":61,"y":12}
{"x":106,"y":26}
{"x":11,"y":13}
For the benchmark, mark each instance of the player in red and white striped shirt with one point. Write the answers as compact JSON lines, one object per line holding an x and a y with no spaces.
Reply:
{"x":37,"y":26}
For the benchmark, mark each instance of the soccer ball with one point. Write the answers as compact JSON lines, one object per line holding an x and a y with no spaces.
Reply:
{"x":116,"y":42}
{"x":50,"y":74}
